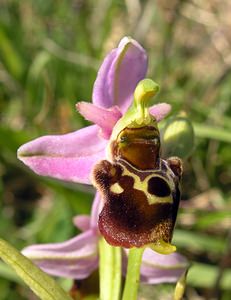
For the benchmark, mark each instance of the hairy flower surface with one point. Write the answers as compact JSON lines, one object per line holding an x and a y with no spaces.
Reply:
{"x":72,"y":157}
{"x":78,"y":257}
{"x":140,"y":190}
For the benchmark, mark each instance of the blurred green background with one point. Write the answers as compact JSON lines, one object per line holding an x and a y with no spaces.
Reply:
{"x":49,"y":55}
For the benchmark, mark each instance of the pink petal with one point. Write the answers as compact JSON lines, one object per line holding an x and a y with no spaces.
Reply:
{"x":157,"y":268}
{"x":104,"y":118}
{"x":101,"y":95}
{"x":68,"y":157}
{"x":95,"y":211}
{"x":119,"y":74}
{"x":82,"y":222}
{"x":160,"y":110}
{"x":76,"y":258}
{"x":85,"y":222}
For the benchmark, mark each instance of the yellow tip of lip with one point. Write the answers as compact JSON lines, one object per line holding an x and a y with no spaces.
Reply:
{"x":163,"y":248}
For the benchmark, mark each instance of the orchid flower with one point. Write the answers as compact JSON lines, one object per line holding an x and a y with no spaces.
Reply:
{"x":72,"y":157}
{"x":78,"y":257}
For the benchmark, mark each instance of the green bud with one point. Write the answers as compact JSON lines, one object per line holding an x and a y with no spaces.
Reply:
{"x":177,"y":137}
{"x":180,"y":287}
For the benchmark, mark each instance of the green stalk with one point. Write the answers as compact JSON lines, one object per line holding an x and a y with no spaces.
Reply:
{"x":110,"y":271}
{"x":133,"y":274}
{"x":44,"y":286}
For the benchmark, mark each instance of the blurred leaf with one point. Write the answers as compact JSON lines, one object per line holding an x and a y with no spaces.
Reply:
{"x":203,"y":275}
{"x":212,"y":218}
{"x":7,"y":273}
{"x":10,"y":55}
{"x":77,"y":195}
{"x":195,"y":241}
{"x":57,"y":223}
{"x":211,"y":132}
{"x":43,"y":285}
{"x":39,"y":63}
{"x":4,"y":287}
{"x":11,"y":139}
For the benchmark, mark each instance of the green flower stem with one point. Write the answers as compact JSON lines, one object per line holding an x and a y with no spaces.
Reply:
{"x":110,"y":271}
{"x":133,"y":274}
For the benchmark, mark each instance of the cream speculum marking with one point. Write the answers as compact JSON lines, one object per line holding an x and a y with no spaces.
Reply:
{"x":140,"y":189}
{"x":143,"y":180}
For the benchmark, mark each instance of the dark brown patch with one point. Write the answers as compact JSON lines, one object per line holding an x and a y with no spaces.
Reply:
{"x":104,"y":174}
{"x":127,"y":219}
{"x":128,"y":226}
{"x":176,"y":201}
{"x":158,"y":187}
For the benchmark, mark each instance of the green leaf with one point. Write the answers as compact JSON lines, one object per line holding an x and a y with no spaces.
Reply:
{"x":40,"y":283}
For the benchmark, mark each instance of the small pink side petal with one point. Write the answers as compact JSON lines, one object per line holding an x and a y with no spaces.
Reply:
{"x":82,"y":222}
{"x":104,"y":118}
{"x":157,"y":268}
{"x":119,"y":74}
{"x":158,"y":276}
{"x":76,"y":258}
{"x":90,"y":222}
{"x":95,"y":211}
{"x":160,"y":110}
{"x":154,"y":259}
{"x":68,"y":157}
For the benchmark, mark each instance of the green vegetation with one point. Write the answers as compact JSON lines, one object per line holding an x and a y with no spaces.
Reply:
{"x":49,"y":55}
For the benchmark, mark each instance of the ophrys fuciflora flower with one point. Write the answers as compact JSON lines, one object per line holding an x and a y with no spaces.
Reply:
{"x":140,"y":190}
{"x":72,"y":157}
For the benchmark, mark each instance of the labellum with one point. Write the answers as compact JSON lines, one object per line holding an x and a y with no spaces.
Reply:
{"x":140,"y":190}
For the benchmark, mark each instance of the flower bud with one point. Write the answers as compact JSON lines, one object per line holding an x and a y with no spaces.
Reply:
{"x":180,"y":287}
{"x":177,"y":137}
